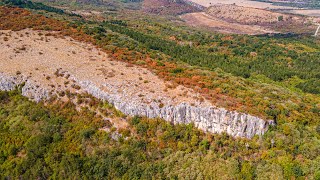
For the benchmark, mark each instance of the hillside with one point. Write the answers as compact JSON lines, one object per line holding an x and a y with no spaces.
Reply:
{"x":167,"y":7}
{"x":209,"y":22}
{"x":247,"y":15}
{"x":135,"y":95}
{"x":246,"y":20}
{"x":53,"y":66}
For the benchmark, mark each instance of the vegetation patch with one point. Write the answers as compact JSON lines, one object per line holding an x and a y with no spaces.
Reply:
{"x":43,"y":141}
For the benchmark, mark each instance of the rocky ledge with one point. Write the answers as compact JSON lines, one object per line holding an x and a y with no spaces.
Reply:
{"x":210,"y":119}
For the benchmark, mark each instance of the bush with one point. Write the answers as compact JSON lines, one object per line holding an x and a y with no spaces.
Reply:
{"x":37,"y":114}
{"x":318,"y":129}
{"x":310,"y":86}
{"x":87,"y":133}
{"x":177,"y":70}
{"x":135,"y":120}
{"x":3,"y":96}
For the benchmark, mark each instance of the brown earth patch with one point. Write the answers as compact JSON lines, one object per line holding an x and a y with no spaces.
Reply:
{"x":247,"y":15}
{"x":205,"y":20}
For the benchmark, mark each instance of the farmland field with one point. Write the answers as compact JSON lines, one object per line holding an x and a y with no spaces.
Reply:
{"x":246,"y":3}
{"x":284,"y":6}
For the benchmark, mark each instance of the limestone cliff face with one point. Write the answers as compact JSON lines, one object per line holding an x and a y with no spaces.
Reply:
{"x":30,"y":89}
{"x":210,"y":119}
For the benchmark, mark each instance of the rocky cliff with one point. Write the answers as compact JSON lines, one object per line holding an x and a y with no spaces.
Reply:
{"x":209,"y":119}
{"x":29,"y":89}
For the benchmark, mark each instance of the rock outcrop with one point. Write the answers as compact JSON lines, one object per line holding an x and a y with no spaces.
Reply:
{"x":29,"y":89}
{"x":209,"y":119}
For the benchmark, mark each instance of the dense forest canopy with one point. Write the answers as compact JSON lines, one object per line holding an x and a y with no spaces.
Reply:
{"x":56,"y":141}
{"x":31,"y":5}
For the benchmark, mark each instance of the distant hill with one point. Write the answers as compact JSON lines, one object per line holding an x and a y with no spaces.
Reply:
{"x":168,"y":7}
{"x":101,"y":4}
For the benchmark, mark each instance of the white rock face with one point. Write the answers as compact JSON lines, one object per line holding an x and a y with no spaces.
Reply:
{"x":210,"y":119}
{"x":29,"y":89}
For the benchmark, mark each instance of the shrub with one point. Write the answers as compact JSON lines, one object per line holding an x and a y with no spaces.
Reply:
{"x":87,"y":133}
{"x":177,"y":70}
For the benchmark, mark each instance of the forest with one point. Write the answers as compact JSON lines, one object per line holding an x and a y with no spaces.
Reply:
{"x":31,"y":5}
{"x":58,"y":142}
{"x":261,"y":56}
